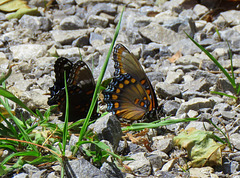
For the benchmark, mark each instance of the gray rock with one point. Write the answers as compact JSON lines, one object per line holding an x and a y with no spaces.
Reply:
{"x":72,"y":23}
{"x":155,"y":159}
{"x":26,"y":52}
{"x":187,"y":95}
{"x":151,"y":50}
{"x":140,"y":165}
{"x":234,"y":138}
{"x":186,"y":46}
{"x":34,"y":99}
{"x":234,"y":156}
{"x":174,"y":5}
{"x":108,"y":128}
{"x":159,"y":34}
{"x":228,"y":115}
{"x":111,"y":170}
{"x":35,"y":23}
{"x":232,"y":17}
{"x":200,"y":10}
{"x":162,"y":143}
{"x":96,"y":39}
{"x":202,"y":172}
{"x":129,"y":147}
{"x":40,"y":173}
{"x":52,"y":175}
{"x":189,"y":60}
{"x":164,"y":174}
{"x":70,"y":52}
{"x":188,"y":13}
{"x":209,"y":28}
{"x":37,"y":3}
{"x":195,"y":104}
{"x":230,"y":35}
{"x":200,"y":126}
{"x":166,"y":90}
{"x":169,"y":165}
{"x":82,"y":168}
{"x":207,"y":42}
{"x":30,"y":169}
{"x":231,"y":167}
{"x":170,"y":107}
{"x":21,"y":175}
{"x":174,"y":77}
{"x":224,"y":85}
{"x":210,"y":78}
{"x":176,"y":127}
{"x":192,"y":113}
{"x":97,"y":21}
{"x":200,"y":84}
{"x":68,"y":36}
{"x":108,"y":8}
{"x":65,"y":2}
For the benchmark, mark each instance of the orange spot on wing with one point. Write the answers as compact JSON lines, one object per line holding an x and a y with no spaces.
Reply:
{"x":114,"y":97}
{"x":126,"y":82}
{"x":118,"y":90}
{"x":116,"y":105}
{"x":143,"y":82}
{"x":121,"y":85}
{"x":133,"y":80}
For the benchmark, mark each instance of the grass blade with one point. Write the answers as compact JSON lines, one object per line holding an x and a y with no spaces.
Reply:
{"x":7,"y":94}
{"x":96,"y":91}
{"x":141,"y":126}
{"x":215,"y":61}
{"x":224,"y":94}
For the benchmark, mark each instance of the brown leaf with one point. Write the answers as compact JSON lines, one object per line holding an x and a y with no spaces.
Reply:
{"x":175,"y":57}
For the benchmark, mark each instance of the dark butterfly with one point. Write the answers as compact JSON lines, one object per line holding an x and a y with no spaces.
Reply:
{"x":80,"y":84}
{"x":130,"y":94}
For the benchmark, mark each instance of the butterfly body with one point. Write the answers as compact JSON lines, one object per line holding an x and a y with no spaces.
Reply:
{"x":81,"y":86}
{"x":130,"y":94}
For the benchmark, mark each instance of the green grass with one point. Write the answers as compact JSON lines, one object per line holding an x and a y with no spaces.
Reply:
{"x":231,"y":79}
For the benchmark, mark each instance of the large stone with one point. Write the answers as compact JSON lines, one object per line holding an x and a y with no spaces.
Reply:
{"x":159,"y":34}
{"x":26,"y":52}
{"x":68,"y":36}
{"x":195,"y":104}
{"x":35,"y":23}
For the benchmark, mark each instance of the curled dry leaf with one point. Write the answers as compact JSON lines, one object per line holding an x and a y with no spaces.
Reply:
{"x":201,"y":147}
{"x":175,"y":57}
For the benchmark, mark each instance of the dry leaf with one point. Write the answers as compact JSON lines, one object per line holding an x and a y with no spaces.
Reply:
{"x":201,"y":147}
{"x":175,"y":57}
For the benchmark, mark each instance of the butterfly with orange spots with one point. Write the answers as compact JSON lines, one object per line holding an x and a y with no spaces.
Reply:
{"x":130,"y":94}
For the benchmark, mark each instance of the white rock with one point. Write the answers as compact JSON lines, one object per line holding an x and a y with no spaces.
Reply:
{"x":26,"y":52}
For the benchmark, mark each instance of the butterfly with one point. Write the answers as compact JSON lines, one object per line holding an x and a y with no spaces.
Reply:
{"x":130,"y":94}
{"x":81,"y":86}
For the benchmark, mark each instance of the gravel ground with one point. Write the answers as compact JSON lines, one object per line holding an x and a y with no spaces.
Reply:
{"x":181,"y":74}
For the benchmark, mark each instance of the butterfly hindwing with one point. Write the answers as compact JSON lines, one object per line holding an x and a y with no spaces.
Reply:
{"x":127,"y":98}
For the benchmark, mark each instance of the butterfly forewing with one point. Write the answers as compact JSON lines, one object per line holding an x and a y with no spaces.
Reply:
{"x":80,"y":84}
{"x":125,"y":62}
{"x":130,"y":95}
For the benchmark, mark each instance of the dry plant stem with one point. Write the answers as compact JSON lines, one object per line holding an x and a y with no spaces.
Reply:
{"x":32,"y":144}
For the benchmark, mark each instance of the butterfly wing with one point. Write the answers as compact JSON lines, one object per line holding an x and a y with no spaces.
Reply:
{"x":127,"y":98}
{"x":81,"y":86}
{"x":125,"y":62}
{"x":60,"y":65}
